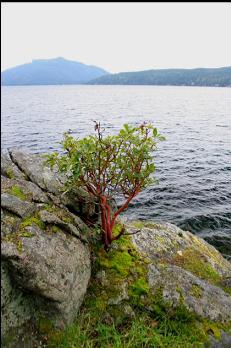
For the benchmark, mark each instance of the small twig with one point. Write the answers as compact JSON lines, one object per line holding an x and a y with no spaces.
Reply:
{"x":131,"y":233}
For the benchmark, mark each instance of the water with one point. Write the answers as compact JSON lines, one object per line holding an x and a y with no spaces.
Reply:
{"x":193,"y":165}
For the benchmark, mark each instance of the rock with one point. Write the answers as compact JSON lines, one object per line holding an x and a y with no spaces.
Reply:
{"x":80,"y":202}
{"x":16,"y":205}
{"x":36,"y":170}
{"x":85,"y":230}
{"x":223,"y":342}
{"x":25,"y":188}
{"x":180,"y":285}
{"x":9,"y":169}
{"x":46,"y":264}
{"x":15,"y":305}
{"x":54,"y":267}
{"x":168,"y":242}
{"x":226,"y":282}
{"x":166,"y":275}
{"x":158,"y":269}
{"x":54,"y":220}
{"x":8,"y":222}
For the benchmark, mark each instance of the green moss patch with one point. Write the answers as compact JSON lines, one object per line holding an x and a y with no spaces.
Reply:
{"x":15,"y":239}
{"x":17,"y":191}
{"x":120,"y":262}
{"x":139,"y":287}
{"x":60,"y":213}
{"x":55,"y":229}
{"x":195,"y":262}
{"x":196,"y":291}
{"x":10,"y":173}
{"x":32,"y":220}
{"x":147,"y":224}
{"x":22,"y":231}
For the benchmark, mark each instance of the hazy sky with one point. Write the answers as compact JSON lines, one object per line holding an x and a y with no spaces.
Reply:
{"x":118,"y":36}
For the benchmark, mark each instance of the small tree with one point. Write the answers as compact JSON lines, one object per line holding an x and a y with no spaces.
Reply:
{"x":107,"y":166}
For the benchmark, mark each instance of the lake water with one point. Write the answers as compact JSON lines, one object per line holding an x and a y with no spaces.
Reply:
{"x":193,"y":164}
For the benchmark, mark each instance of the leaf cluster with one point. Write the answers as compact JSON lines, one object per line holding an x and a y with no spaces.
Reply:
{"x":112,"y":164}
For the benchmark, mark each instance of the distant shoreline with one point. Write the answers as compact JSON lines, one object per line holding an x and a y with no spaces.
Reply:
{"x":60,"y":71}
{"x":107,"y":85}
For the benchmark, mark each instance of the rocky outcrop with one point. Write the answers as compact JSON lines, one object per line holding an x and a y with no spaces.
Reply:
{"x":186,"y":268}
{"x":46,"y":258}
{"x":50,"y":181}
{"x":157,"y":269}
{"x":167,"y":273}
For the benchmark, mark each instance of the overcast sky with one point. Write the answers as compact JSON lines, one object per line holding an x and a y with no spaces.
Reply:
{"x":118,"y":36}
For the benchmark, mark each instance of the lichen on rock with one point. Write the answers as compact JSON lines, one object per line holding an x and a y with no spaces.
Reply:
{"x":46,"y":264}
{"x":159,"y":275}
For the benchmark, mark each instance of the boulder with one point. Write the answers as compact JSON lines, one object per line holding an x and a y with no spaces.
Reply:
{"x":179,"y":285}
{"x":45,"y":253}
{"x":185,"y":267}
{"x":167,"y":243}
{"x":54,"y":267}
{"x":24,"y":189}
{"x":9,"y":169}
{"x":34,"y":167}
{"x":47,"y":267}
{"x":16,"y":205}
{"x":16,"y":306}
{"x":167,"y":274}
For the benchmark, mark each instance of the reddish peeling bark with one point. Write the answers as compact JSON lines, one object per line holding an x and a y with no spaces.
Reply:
{"x":108,"y":219}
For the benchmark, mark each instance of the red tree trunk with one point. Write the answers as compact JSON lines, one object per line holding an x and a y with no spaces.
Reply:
{"x":108,"y":220}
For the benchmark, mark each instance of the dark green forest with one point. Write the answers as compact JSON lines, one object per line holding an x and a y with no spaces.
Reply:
{"x":220,"y":77}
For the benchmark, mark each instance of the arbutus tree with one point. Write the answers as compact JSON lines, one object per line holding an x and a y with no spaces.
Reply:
{"x":108,"y":166}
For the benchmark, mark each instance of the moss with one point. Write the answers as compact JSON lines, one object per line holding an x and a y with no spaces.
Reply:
{"x":215,"y":328}
{"x":60,"y":213}
{"x":148,"y":224}
{"x":29,"y":221}
{"x":180,"y":292}
{"x":22,"y":232}
{"x":163,"y":310}
{"x":139,"y":287}
{"x":55,"y":229}
{"x":118,"y":261}
{"x":137,"y":224}
{"x":212,"y":328}
{"x":210,"y":252}
{"x":15,"y":239}
{"x":194,"y":261}
{"x":226,"y":289}
{"x":160,"y":239}
{"x":10,"y":173}
{"x":195,"y":291}
{"x":27,"y":234}
{"x":17,"y":191}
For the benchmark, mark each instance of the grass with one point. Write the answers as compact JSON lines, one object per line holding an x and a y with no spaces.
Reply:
{"x":93,"y":331}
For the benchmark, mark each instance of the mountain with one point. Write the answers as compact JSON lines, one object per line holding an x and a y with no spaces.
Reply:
{"x":50,"y":72}
{"x":175,"y":77}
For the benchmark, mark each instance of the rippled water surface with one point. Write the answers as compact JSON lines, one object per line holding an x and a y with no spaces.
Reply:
{"x":193,"y":164}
